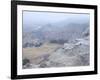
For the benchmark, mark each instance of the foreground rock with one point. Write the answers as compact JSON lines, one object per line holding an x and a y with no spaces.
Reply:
{"x":71,"y":54}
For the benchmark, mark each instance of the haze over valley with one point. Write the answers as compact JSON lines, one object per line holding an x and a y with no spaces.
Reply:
{"x":55,"y":39}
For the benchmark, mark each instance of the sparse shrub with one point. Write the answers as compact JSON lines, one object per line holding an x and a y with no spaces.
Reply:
{"x":86,"y":34}
{"x":26,"y":61}
{"x":38,"y":45}
{"x":60,"y":41}
{"x":43,"y":65}
{"x":28,"y":45}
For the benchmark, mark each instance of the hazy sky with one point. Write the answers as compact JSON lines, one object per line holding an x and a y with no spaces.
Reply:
{"x":31,"y":18}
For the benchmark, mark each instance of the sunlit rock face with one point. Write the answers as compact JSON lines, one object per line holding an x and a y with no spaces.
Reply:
{"x":78,"y":55}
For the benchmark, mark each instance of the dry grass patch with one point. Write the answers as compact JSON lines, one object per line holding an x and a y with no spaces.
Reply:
{"x":32,"y":53}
